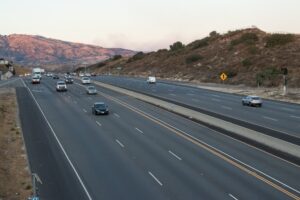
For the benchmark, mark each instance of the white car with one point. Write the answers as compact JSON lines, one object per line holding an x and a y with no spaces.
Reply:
{"x":252,"y":101}
{"x":91,"y":90}
{"x":35,"y":79}
{"x":85,"y":80}
{"x":61,"y":86}
{"x":151,"y":79}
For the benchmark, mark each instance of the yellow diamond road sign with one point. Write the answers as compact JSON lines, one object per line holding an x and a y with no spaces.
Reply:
{"x":223,"y":76}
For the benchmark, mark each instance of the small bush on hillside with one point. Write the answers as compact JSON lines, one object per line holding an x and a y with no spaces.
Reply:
{"x":279,"y":39}
{"x":214,"y":34}
{"x":176,"y":46}
{"x":101,"y":64}
{"x":162,"y":50}
{"x":231,"y":73}
{"x":253,"y":50}
{"x":117,"y":57}
{"x":193,"y":58}
{"x":246,"y":38}
{"x":246,"y":62}
{"x":137,"y":56}
{"x":249,"y":37}
{"x":267,"y":74}
{"x":200,"y":43}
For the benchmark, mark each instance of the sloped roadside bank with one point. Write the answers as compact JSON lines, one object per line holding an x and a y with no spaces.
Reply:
{"x":15,"y":180}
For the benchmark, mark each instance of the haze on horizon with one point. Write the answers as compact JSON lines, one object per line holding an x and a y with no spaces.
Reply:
{"x":144,"y":24}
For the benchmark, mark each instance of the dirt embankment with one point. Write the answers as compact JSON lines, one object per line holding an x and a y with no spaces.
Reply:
{"x":15,"y":180}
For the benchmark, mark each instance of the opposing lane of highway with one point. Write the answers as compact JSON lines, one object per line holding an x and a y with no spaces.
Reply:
{"x":106,"y":148}
{"x":282,"y":117}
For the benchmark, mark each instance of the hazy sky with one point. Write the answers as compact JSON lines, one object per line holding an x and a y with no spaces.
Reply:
{"x":144,"y":24}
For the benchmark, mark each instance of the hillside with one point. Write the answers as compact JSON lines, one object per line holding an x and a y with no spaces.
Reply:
{"x":250,"y":56}
{"x":29,"y":50}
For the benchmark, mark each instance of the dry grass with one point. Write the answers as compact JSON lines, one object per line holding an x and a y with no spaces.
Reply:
{"x":15,"y":181}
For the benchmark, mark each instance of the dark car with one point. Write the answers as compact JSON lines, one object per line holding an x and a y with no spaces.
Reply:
{"x":55,"y":76}
{"x":100,"y":108}
{"x":69,"y":80}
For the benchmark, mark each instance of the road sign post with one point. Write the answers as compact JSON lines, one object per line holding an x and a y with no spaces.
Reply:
{"x":223,"y":77}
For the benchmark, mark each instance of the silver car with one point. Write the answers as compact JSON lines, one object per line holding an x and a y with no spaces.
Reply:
{"x":252,"y":101}
{"x":91,"y":90}
{"x":61,"y":86}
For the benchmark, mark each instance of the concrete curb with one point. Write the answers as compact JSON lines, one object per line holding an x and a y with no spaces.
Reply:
{"x":271,"y":142}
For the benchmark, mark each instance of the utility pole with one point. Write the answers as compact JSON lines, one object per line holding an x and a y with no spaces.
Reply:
{"x":285,"y":73}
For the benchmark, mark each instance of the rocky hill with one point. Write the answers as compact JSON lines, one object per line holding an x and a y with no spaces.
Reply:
{"x":250,"y":56}
{"x":29,"y":50}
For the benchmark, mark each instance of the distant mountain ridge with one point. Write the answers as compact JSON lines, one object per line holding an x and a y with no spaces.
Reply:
{"x":53,"y":54}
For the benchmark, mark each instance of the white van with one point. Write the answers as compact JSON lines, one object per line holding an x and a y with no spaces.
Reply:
{"x":151,"y":79}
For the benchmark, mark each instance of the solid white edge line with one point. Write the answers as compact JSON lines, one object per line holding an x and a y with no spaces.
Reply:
{"x":233,"y":197}
{"x":139,"y":130}
{"x":216,"y":149}
{"x":174,"y":155}
{"x":99,"y":124}
{"x":122,"y":145}
{"x":156,"y":179}
{"x":60,"y":145}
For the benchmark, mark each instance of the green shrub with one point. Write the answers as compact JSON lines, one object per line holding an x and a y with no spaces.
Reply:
{"x":200,"y":43}
{"x":279,"y":39}
{"x":246,"y":62}
{"x":117,"y":57}
{"x":253,"y":50}
{"x":137,"y":56}
{"x":101,"y":64}
{"x":214,"y":34}
{"x":231,"y":73}
{"x":193,"y":58}
{"x":267,"y":74}
{"x":176,"y":46}
{"x":249,"y":38}
{"x":246,"y":38}
{"x":162,"y":50}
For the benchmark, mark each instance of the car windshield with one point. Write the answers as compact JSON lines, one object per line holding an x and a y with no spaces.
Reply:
{"x":100,"y":106}
{"x":60,"y":83}
{"x":255,"y":98}
{"x":91,"y":88}
{"x":85,"y":78}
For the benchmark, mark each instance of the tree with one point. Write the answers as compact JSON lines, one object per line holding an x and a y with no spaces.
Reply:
{"x":176,"y":46}
{"x":213,"y":34}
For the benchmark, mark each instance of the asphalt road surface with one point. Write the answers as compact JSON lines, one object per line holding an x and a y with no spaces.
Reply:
{"x":140,"y":151}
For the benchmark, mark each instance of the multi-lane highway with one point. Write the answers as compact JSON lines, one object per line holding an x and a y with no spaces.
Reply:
{"x":274,"y":117}
{"x":140,"y":151}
